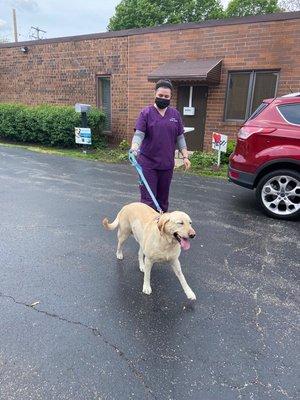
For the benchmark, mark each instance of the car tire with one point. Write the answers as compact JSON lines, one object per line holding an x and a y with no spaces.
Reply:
{"x":278,"y":194}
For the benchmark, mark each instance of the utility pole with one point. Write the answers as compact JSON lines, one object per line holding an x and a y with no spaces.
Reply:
{"x":15,"y":25}
{"x":36,"y":35}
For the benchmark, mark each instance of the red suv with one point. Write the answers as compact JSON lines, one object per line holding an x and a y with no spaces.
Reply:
{"x":267,"y":156}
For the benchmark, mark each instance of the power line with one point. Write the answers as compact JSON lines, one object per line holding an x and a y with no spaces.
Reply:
{"x":36,"y":33}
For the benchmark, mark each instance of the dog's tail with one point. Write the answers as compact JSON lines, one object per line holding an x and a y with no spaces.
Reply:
{"x":111,"y":226}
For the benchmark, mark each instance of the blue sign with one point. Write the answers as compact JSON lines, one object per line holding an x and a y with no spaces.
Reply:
{"x":83,"y":136}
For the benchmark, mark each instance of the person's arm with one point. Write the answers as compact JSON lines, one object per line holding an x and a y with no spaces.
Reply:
{"x":181,"y":143}
{"x":139,"y":132}
{"x":137,"y":140}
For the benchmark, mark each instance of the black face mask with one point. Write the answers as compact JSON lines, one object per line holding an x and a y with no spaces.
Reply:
{"x":162,"y":103}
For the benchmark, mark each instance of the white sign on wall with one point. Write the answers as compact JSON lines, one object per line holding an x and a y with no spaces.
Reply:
{"x":188,"y":110}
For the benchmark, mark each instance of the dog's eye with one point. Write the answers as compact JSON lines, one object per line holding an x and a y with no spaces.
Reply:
{"x":180,"y":223}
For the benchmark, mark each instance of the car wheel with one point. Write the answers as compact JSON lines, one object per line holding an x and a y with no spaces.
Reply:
{"x":278,"y":193}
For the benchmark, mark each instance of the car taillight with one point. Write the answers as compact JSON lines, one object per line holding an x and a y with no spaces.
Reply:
{"x":244,"y":133}
{"x":247,"y":131}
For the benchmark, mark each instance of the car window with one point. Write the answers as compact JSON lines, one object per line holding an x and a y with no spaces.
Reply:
{"x":259,"y":110}
{"x":291,"y":112}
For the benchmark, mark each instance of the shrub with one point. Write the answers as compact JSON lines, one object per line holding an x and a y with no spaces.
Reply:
{"x":46,"y":124}
{"x":230,"y":148}
{"x":124,"y":145}
{"x":123,"y":156}
{"x":200,"y":159}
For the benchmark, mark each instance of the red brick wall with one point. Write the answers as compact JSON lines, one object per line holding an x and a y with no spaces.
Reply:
{"x":268,"y":45}
{"x":65,"y":72}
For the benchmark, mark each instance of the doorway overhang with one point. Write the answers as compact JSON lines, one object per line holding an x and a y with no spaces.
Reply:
{"x":203,"y":71}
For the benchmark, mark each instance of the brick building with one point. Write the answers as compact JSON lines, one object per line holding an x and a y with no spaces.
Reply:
{"x":222,"y":68}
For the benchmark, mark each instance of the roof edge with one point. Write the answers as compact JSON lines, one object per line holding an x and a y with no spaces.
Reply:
{"x":161,"y":28}
{"x":216,"y":64}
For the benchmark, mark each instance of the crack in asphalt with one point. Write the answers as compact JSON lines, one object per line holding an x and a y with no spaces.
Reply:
{"x":257,"y":308}
{"x":257,"y":311}
{"x":96,"y":332}
{"x":257,"y":382}
{"x":50,"y":226}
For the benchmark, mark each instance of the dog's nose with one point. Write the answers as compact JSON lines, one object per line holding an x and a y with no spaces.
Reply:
{"x":192,"y":235}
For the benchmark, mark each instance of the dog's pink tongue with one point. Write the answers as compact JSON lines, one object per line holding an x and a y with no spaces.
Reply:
{"x":185,"y":244}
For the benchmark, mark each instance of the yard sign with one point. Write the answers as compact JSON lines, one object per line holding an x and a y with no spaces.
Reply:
{"x":83,"y":136}
{"x":219,"y":143}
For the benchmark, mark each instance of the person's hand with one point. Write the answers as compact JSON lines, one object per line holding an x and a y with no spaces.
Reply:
{"x":135,"y":152}
{"x":187,"y":163}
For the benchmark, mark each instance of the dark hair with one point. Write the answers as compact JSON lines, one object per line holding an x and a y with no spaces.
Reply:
{"x":165,"y":83}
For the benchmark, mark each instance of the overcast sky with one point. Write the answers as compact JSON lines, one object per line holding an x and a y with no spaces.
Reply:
{"x":57,"y":17}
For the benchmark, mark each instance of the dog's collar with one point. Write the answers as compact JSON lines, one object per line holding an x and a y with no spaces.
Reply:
{"x":157,"y":218}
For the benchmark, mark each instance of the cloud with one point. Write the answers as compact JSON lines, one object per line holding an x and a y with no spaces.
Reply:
{"x":24,"y":5}
{"x":2,"y":24}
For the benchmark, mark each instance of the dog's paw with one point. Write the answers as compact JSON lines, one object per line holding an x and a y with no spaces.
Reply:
{"x":147,"y":290}
{"x":119,"y":256}
{"x":191,"y":295}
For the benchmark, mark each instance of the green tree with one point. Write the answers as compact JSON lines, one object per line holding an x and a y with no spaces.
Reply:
{"x":242,"y":8}
{"x":144,"y":13}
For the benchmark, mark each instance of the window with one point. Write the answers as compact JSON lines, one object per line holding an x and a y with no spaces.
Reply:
{"x":104,"y":99}
{"x":245,"y":92}
{"x":291,"y":113}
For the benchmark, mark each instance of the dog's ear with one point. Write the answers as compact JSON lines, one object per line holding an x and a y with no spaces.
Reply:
{"x":162,"y":222}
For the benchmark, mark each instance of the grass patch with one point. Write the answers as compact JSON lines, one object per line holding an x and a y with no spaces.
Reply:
{"x":114,"y":155}
{"x":109,"y":155}
{"x":206,"y":171}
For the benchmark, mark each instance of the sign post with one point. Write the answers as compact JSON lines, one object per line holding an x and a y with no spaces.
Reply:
{"x":219,"y":143}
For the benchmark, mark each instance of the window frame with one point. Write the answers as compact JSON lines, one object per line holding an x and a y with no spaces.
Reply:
{"x":261,"y":108}
{"x":99,"y":99}
{"x":251,"y":88}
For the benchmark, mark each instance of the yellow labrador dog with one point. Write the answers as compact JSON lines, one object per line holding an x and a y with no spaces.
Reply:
{"x":161,"y":238}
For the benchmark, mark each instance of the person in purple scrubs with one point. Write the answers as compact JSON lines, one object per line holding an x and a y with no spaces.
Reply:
{"x":158,"y":130}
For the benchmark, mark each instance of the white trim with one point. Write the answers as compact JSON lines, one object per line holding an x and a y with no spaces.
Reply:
{"x":297,"y":94}
{"x":214,"y":66}
{"x":191,"y":96}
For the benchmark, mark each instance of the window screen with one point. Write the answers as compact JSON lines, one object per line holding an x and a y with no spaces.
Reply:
{"x":291,"y":113}
{"x":104,"y":100}
{"x":264,"y":88}
{"x":246,"y":91}
{"x":238,"y":87}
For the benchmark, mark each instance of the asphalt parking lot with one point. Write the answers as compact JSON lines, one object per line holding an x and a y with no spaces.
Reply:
{"x":75,"y":325}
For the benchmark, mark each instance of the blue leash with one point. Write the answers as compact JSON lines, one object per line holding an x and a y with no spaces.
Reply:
{"x":139,"y":169}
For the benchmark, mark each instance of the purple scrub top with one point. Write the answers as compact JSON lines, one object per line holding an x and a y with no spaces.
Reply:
{"x":161,"y":132}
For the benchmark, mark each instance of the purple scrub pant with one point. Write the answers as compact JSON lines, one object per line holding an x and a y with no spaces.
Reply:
{"x":159,"y":182}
